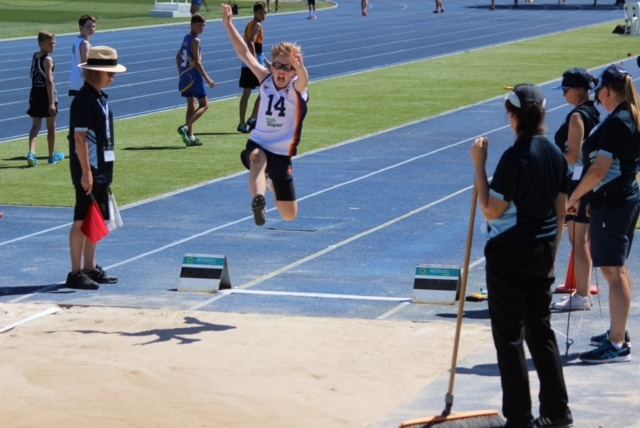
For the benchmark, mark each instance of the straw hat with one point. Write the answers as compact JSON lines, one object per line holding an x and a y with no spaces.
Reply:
{"x":103,"y":58}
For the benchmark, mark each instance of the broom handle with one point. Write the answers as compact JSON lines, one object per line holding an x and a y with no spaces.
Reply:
{"x":463,"y":292}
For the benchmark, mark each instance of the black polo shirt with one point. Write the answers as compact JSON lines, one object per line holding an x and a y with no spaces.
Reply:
{"x":88,"y":113}
{"x":529,"y":176}
{"x":618,"y":138}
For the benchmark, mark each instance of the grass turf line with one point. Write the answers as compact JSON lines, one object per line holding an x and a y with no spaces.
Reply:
{"x":151,"y":160}
{"x":19,"y":18}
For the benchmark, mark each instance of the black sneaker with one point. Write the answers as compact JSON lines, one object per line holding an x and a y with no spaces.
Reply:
{"x":81,"y":281}
{"x":597,"y":340}
{"x":100,"y":276}
{"x":565,"y":421}
{"x":607,"y":353}
{"x":252,"y":123}
{"x":258,"y":206}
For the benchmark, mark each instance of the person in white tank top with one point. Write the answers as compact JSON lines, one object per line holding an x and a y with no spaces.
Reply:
{"x":79,"y":52}
{"x":275,"y":138}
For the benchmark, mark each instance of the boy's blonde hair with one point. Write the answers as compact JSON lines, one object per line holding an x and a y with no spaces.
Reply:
{"x":285,"y":49}
{"x":43,"y":36}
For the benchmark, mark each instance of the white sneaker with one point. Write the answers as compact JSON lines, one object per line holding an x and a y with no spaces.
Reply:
{"x":575,"y":302}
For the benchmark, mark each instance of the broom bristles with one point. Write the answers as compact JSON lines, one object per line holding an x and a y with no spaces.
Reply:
{"x":475,"y":419}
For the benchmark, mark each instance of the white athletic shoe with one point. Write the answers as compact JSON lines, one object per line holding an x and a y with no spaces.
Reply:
{"x":575,"y":302}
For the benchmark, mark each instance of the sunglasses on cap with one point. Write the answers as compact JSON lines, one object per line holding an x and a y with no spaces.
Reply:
{"x":285,"y":67}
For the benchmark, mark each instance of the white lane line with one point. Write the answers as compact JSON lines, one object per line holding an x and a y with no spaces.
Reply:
{"x":316,"y":295}
{"x":31,"y":318}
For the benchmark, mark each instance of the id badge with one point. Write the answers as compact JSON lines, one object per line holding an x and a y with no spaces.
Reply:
{"x":109,"y":155}
{"x":577,"y":173}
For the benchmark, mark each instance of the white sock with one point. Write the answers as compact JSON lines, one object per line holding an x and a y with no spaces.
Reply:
{"x":618,"y":346}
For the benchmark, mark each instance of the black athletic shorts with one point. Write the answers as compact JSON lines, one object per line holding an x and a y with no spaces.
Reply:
{"x":83,"y":201}
{"x":39,"y":104}
{"x":248,"y":80}
{"x":279,"y":170}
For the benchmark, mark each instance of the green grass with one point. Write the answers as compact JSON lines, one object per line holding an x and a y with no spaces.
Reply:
{"x":20,"y":18}
{"x":151,"y":160}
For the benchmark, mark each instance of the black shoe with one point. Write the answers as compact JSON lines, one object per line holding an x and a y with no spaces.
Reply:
{"x":565,"y":421}
{"x":258,"y":206}
{"x":100,"y":276}
{"x":599,"y":339}
{"x":81,"y":281}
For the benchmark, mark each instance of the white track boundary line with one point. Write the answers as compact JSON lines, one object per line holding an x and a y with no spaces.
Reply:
{"x":315,"y":295}
{"x":31,"y":318}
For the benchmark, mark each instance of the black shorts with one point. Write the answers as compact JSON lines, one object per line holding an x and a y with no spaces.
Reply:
{"x":311,"y":2}
{"x":611,"y":232}
{"x":248,"y":80}
{"x":39,"y":104}
{"x":279,"y":170}
{"x":83,"y":201}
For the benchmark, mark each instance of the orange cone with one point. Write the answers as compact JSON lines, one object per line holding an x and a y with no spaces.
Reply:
{"x":570,"y":283}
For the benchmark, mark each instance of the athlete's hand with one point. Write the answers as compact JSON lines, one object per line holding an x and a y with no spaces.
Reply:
{"x":227,"y":12}
{"x":296,"y":59}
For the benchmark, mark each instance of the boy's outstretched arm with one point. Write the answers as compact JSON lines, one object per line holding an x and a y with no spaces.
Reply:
{"x":303,"y":75}
{"x":240,"y":46}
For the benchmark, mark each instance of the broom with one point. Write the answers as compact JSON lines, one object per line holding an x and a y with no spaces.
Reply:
{"x":475,"y":419}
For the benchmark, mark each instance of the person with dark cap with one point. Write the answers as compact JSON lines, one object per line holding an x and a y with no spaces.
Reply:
{"x":578,"y":124}
{"x":525,"y":209}
{"x":611,"y":157}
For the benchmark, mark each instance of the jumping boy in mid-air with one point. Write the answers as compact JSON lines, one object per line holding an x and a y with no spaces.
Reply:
{"x":275,"y":138}
{"x":192,"y":77}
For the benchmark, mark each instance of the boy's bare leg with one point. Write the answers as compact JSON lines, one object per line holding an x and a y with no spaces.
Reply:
{"x":33,"y":134}
{"x":288,"y":209}
{"x":51,"y":134}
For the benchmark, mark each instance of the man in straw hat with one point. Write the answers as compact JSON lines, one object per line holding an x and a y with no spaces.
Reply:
{"x":91,"y":152}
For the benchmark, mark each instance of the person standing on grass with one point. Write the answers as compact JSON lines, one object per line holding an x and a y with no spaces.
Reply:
{"x":525,"y":209}
{"x":254,"y":36}
{"x":195,"y":6}
{"x":569,"y":137}
{"x":43,"y":100}
{"x":611,"y":157}
{"x":269,"y":5}
{"x":274,"y":140}
{"x":191,"y":79}
{"x":312,"y":9}
{"x":79,"y":52}
{"x":92,"y":155}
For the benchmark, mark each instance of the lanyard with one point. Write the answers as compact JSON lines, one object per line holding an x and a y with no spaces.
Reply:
{"x":105,"y":109}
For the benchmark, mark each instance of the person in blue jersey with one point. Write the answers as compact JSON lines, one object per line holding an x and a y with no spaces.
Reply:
{"x":275,"y":138}
{"x":254,"y":36}
{"x":525,"y":209}
{"x":195,"y":6}
{"x":91,"y":155}
{"x":192,"y":76}
{"x":578,"y":124}
{"x":79,"y":52}
{"x":611,"y":157}
{"x":43,"y":100}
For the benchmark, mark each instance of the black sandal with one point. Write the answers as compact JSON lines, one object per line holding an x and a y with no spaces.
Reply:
{"x":259,"y":205}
